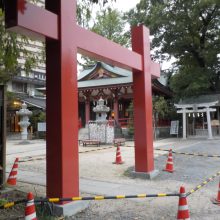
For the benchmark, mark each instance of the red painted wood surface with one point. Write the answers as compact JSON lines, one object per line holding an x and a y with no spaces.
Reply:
{"x":31,"y":20}
{"x":62,"y":105}
{"x":57,"y":23}
{"x":142,"y":92}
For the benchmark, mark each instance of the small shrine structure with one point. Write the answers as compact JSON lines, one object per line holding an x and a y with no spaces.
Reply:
{"x":197,"y":109}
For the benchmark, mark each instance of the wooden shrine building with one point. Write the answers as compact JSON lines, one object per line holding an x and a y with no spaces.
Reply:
{"x":113,"y":84}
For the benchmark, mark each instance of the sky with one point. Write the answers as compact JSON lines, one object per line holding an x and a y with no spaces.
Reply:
{"x":125,"y":5}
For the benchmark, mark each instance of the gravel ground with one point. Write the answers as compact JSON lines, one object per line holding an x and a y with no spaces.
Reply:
{"x":190,"y":171}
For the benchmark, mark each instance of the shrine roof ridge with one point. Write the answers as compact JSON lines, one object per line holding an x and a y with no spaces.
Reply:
{"x":105,"y":81}
{"x":114,"y":69}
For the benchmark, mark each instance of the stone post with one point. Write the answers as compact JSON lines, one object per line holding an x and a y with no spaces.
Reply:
{"x":184,"y":123}
{"x":209,"y":123}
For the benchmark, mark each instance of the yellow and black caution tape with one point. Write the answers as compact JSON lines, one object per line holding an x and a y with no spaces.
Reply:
{"x":31,"y":159}
{"x":11,"y":204}
{"x":100,"y":148}
{"x":203,"y":183}
{"x":191,"y":154}
{"x":87,"y":151}
{"x":52,"y":200}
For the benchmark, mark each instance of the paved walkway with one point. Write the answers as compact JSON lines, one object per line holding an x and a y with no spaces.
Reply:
{"x":88,"y":184}
{"x":98,"y":176}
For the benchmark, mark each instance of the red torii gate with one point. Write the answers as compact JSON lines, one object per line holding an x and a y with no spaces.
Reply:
{"x":57,"y":24}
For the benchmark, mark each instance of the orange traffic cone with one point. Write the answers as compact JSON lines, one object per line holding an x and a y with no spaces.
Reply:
{"x":183,"y":210}
{"x":12,"y":178}
{"x":118,"y":159}
{"x":217,"y":199}
{"x":30,"y":213}
{"x":169,"y":165}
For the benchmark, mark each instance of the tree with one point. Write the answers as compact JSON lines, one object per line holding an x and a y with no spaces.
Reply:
{"x":37,"y":116}
{"x":11,"y":48}
{"x":160,"y":106}
{"x":188,"y":31}
{"x":109,"y":23}
{"x":85,"y":8}
{"x":161,"y":109}
{"x":9,"y":53}
{"x":131,"y":119}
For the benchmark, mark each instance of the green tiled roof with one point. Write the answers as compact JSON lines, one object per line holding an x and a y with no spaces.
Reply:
{"x":107,"y":81}
{"x":114,"y":69}
{"x":123,"y":76}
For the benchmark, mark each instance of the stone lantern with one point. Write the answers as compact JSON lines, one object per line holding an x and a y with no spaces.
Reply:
{"x":101,"y":110}
{"x":101,"y":129}
{"x":24,"y":114}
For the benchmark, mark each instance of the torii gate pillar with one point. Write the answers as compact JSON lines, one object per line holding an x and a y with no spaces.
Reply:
{"x":64,"y":38}
{"x":144,"y":153}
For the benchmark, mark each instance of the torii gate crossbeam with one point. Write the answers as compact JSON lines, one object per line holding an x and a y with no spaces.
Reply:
{"x":57,"y":23}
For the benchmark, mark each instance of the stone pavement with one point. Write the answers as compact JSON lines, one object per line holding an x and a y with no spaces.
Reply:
{"x":36,"y":150}
{"x":99,"y":176}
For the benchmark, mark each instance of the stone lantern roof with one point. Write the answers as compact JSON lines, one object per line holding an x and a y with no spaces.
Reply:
{"x":101,"y":107}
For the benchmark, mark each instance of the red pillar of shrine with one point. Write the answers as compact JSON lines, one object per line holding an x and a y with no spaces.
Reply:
{"x":142,"y":92}
{"x":62,"y":104}
{"x":87,"y":106}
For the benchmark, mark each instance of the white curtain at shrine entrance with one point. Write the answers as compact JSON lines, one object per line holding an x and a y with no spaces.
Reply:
{"x":194,"y":109}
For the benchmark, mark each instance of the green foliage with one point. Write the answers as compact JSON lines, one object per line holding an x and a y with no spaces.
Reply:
{"x":160,"y":106}
{"x":8,"y":53}
{"x":188,"y":31}
{"x":186,"y":84}
{"x":44,"y":212}
{"x":37,"y":116}
{"x":11,"y":48}
{"x":85,"y":8}
{"x":131,"y":119}
{"x":3,"y":197}
{"x":109,"y":23}
{"x":10,"y":96}
{"x":3,"y":201}
{"x":103,"y":2}
{"x":30,"y":62}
